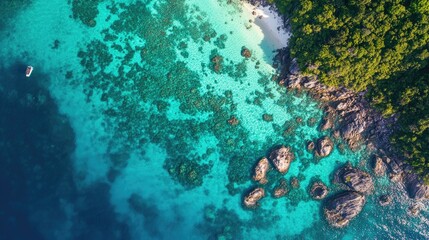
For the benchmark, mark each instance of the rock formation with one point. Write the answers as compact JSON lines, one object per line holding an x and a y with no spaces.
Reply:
{"x":343,"y":208}
{"x":355,"y":179}
{"x":385,"y":200}
{"x":281,"y":189}
{"x":318,"y":191}
{"x":245,"y":52}
{"x":310,"y":146}
{"x":324,"y":147}
{"x":251,"y":200}
{"x":233,"y":121}
{"x":415,"y":209}
{"x":327,"y":123}
{"x":378,"y":166}
{"x":355,"y":121}
{"x":281,"y":158}
{"x":416,"y":188}
{"x":261,"y":171}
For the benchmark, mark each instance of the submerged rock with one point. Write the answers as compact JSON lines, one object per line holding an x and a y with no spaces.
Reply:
{"x":281,"y":158}
{"x":311,"y":122}
{"x":415,"y":209}
{"x":217,"y":61}
{"x":251,"y":200}
{"x":294,"y":182}
{"x":324,"y":146}
{"x":281,"y":189}
{"x":343,"y":208}
{"x":245,"y":52}
{"x":318,"y":190}
{"x":385,"y":200}
{"x":310,"y":146}
{"x":261,"y":171}
{"x":355,"y":179}
{"x":267,"y":117}
{"x":233,"y":121}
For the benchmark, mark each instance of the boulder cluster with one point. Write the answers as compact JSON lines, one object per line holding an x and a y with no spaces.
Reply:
{"x":348,"y":115}
{"x":281,"y":157}
{"x":346,"y":205}
{"x":322,"y":147}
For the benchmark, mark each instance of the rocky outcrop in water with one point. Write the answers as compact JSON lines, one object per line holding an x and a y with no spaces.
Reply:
{"x":281,"y":158}
{"x":343,"y":207}
{"x":310,"y":146}
{"x":327,"y":123}
{"x":378,"y":166}
{"x":261,"y":171}
{"x":318,"y":191}
{"x":324,"y":147}
{"x":356,"y":122}
{"x":217,"y":61}
{"x":233,"y":121}
{"x":415,"y":209}
{"x":385,"y":200}
{"x":245,"y":52}
{"x":281,"y":189}
{"x":251,"y":200}
{"x":355,"y":179}
{"x":416,"y":188}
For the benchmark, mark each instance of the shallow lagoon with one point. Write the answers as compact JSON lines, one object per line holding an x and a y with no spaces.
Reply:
{"x":148,"y":88}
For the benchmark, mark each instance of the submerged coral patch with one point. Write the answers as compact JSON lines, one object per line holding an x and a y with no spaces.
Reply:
{"x":86,"y":11}
{"x":187,"y":172}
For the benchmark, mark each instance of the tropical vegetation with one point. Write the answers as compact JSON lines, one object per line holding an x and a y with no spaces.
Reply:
{"x":380,"y":47}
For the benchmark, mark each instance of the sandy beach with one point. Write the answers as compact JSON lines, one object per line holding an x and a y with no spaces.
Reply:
{"x":270,"y":23}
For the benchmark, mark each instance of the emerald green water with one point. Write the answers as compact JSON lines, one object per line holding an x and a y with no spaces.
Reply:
{"x":154,"y":156}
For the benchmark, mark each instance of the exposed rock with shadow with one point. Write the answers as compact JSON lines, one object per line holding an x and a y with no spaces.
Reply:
{"x":343,"y":207}
{"x":281,"y":158}
{"x":355,"y":179}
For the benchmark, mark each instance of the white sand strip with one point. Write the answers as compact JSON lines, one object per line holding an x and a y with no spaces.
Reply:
{"x":270,"y":23}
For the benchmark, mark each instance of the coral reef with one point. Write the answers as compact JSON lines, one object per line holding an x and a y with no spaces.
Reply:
{"x":187,"y":172}
{"x":86,"y":11}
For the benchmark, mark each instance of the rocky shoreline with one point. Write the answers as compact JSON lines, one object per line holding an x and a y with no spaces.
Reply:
{"x":349,"y":116}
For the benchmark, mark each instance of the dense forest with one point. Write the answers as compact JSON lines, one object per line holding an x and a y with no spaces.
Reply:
{"x":378,"y":46}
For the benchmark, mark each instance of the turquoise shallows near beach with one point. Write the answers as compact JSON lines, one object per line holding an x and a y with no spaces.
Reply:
{"x":134,"y":140}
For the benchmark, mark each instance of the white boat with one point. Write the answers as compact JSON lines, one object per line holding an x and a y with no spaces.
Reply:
{"x":28,"y":71}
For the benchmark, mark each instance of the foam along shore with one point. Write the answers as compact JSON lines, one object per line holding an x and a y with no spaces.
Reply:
{"x":271,"y":24}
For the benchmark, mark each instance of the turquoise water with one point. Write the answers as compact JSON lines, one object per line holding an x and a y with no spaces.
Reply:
{"x":150,"y":153}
